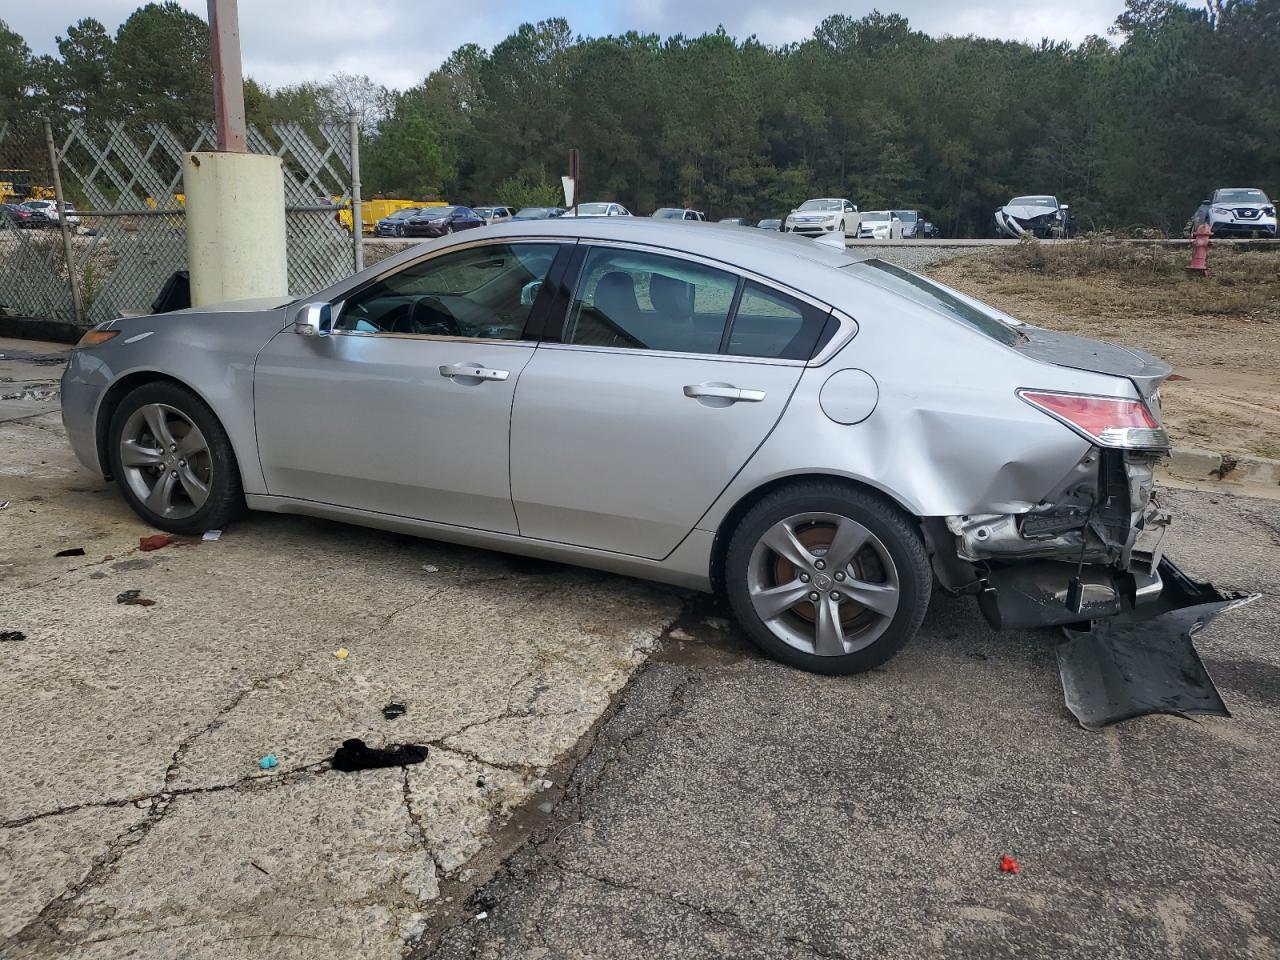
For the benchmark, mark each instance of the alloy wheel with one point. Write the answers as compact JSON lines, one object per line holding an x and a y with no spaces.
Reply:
{"x":166,"y":461}
{"x":823,"y":584}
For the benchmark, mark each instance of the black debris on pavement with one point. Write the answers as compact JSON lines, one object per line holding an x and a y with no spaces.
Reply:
{"x":12,"y":636}
{"x":356,"y":755}
{"x":393,"y":710}
{"x":71,"y":552}
{"x":134,"y":598}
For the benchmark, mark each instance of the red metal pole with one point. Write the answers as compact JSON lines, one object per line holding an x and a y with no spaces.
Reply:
{"x":228,"y":82}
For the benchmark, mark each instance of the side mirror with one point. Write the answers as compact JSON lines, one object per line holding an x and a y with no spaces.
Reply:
{"x":314,"y":320}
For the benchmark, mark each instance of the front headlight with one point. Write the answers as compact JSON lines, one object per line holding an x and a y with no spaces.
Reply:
{"x":1268,"y":211}
{"x":1224,"y":211}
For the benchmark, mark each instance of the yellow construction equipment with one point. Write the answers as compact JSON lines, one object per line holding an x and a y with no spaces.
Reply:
{"x":371,"y":211}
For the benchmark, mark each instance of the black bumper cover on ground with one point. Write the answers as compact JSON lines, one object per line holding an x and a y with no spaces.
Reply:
{"x":1144,"y":662}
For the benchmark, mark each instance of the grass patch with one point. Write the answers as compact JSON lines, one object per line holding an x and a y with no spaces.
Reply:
{"x":1146,"y":279}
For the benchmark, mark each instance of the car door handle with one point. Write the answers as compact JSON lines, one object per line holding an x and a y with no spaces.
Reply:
{"x":472,"y":371}
{"x":700,"y":390}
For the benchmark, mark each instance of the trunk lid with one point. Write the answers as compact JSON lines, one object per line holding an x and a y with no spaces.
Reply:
{"x":1146,"y":372}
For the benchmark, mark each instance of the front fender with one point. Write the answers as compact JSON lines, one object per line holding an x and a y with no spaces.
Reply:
{"x":211,"y":354}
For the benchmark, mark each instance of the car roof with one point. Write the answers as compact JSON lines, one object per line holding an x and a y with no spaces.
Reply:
{"x":750,"y":251}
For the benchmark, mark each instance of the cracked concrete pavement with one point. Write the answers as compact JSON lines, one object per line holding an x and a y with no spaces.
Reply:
{"x":732,"y":807}
{"x":134,"y":816}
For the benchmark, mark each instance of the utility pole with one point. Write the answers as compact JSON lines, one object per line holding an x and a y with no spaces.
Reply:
{"x":237,"y":244}
{"x":228,"y":81}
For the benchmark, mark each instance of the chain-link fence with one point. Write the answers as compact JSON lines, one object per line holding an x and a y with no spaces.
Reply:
{"x":123,"y":187}
{"x":33,"y":263}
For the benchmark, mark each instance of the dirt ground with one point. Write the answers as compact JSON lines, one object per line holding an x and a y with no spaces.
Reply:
{"x":1221,"y":333}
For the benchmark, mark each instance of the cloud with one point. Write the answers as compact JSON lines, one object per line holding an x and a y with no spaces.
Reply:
{"x":398,"y":42}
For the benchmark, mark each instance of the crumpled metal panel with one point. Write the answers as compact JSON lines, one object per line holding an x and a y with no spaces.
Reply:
{"x":1138,"y":664}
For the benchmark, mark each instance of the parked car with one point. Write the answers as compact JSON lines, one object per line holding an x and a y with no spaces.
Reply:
{"x":1242,"y":211}
{"x":598,"y":210}
{"x":736,"y":221}
{"x":24,"y":218}
{"x":539,"y":213}
{"x":769,"y":225}
{"x":50,"y":209}
{"x":824,"y":480}
{"x":492,"y":215}
{"x":439,"y":221}
{"x":814,"y":217}
{"x":928,"y":230}
{"x":1037,"y":216}
{"x":393,"y":226}
{"x":912,"y":224}
{"x":677,"y":213}
{"x":880,"y":225}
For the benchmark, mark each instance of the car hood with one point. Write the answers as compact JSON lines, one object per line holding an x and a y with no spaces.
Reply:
{"x":1029,"y":211}
{"x":1080,"y":353}
{"x":249,"y":305}
{"x":1249,"y":205}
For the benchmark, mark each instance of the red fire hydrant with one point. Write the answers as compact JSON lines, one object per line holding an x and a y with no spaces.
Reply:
{"x":1200,"y":251}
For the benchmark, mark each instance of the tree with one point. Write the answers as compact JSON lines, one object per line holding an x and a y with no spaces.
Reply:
{"x":15,"y":72}
{"x":346,"y":94}
{"x":81,"y":81}
{"x":161,"y":60}
{"x":407,"y":157}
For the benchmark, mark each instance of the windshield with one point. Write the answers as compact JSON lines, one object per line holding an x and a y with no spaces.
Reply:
{"x":37,"y":204}
{"x":668,"y":213}
{"x":483,"y":211}
{"x":1241,"y":196}
{"x":874,"y":215}
{"x":936,"y":297}
{"x":821,"y":205}
{"x":593,"y":209}
{"x":907,"y":216}
{"x":533,"y":213}
{"x":1034,"y":202}
{"x":404,"y":214}
{"x":433,"y":212}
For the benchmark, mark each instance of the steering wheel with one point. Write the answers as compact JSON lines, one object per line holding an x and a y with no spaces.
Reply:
{"x":426,"y":315}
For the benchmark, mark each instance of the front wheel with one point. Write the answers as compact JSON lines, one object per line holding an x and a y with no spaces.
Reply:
{"x":173,"y":460}
{"x":827,"y":577}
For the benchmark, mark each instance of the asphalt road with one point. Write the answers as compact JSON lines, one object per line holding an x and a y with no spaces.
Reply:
{"x":735,"y":808}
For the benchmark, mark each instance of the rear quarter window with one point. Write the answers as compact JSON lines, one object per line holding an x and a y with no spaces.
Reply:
{"x":937,"y":298}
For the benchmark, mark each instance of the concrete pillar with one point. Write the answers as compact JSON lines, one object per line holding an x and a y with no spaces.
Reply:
{"x":235,"y":226}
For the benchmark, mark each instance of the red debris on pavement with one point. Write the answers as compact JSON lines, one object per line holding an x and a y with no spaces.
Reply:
{"x":154,"y":542}
{"x":1009,"y":865}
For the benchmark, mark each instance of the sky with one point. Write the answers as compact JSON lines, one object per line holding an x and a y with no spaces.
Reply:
{"x":398,"y":42}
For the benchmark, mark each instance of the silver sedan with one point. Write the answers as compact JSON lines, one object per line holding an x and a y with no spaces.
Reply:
{"x":822,"y":437}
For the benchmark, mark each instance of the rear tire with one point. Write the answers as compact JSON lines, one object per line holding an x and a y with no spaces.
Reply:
{"x":828,"y":577}
{"x":173,"y":460}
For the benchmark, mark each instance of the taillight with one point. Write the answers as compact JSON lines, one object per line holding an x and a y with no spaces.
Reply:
{"x":1107,"y":421}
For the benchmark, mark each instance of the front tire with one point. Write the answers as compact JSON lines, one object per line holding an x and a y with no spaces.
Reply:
{"x":828,"y":577}
{"x":173,"y":460}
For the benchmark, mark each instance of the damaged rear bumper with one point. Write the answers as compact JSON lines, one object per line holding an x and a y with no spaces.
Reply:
{"x":1144,"y":661}
{"x":1089,"y":557}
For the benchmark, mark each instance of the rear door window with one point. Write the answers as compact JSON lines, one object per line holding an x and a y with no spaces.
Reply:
{"x":644,"y":301}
